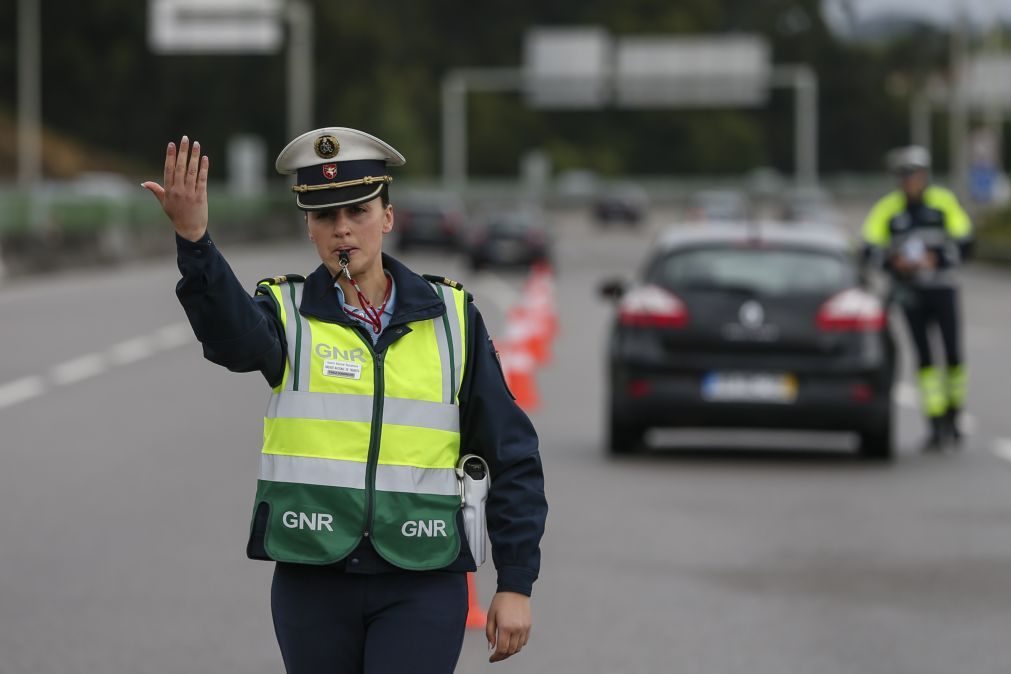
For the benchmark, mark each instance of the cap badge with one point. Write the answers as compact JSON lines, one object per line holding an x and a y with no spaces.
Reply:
{"x":329,"y":171}
{"x":327,"y":147}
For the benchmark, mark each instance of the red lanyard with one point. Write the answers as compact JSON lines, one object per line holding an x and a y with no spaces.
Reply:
{"x":369,"y":314}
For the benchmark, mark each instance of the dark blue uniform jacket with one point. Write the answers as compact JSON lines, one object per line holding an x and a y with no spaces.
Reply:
{"x":244,"y":334}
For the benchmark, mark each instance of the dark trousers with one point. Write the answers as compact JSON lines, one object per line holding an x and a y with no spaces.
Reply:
{"x":329,"y":622}
{"x":927,"y":307}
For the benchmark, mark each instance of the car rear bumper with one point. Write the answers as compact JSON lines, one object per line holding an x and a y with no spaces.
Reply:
{"x":858,"y":402}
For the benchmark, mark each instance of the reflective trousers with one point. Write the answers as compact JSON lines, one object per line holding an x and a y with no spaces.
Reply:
{"x":329,"y":622}
{"x":927,"y":309}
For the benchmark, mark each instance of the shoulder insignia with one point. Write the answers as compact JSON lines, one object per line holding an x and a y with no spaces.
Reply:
{"x":456,"y":285}
{"x":278,"y":280}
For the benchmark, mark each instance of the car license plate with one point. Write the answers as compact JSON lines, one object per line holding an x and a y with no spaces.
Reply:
{"x":748,"y":387}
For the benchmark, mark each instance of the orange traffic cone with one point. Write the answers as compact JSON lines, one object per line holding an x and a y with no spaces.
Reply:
{"x":529,"y":331}
{"x":476,"y":617}
{"x":539,"y":292}
{"x":518,"y":367}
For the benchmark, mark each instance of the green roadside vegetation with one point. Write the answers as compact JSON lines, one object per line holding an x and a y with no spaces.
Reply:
{"x":993,"y":236}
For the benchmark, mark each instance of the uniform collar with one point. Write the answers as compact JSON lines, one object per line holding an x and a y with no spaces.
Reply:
{"x":416,"y":299}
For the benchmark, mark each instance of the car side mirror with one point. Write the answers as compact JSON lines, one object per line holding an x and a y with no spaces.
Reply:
{"x":612,"y":289}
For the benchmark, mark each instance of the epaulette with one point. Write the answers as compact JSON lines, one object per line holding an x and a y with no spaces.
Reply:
{"x":278,"y":280}
{"x":455,"y":285}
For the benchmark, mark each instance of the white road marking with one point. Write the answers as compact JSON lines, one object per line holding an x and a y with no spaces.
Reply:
{"x":19,"y":390}
{"x":93,"y":364}
{"x":1002,"y":448}
{"x":906,"y":395}
{"x":172,"y":336}
{"x":79,"y":369}
{"x":132,"y":350}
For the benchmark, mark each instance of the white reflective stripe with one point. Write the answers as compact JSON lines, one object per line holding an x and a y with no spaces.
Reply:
{"x":455,"y":337}
{"x":322,"y":406}
{"x":289,"y":332}
{"x":421,"y":414}
{"x":312,"y":470}
{"x":305,"y":356}
{"x":350,"y":407}
{"x":457,"y":331}
{"x":442,"y":339}
{"x":411,"y":480}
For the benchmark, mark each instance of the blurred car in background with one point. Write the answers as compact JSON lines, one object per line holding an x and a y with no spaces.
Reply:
{"x":810,"y":206}
{"x":622,"y":203}
{"x":509,"y":238}
{"x":718,"y":206}
{"x":750,"y":327}
{"x":576,"y":185}
{"x":430,"y":219}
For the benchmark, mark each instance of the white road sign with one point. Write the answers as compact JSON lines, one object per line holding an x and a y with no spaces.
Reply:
{"x":717,"y":70}
{"x":567,"y":67}
{"x":214,"y":26}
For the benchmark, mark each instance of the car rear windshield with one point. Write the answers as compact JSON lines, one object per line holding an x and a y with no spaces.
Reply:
{"x":764,"y":271}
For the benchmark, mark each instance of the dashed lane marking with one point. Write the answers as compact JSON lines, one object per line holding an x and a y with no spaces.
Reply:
{"x":1002,"y":448}
{"x":905,"y":395}
{"x":93,"y":364}
{"x":19,"y":390}
{"x":79,"y":369}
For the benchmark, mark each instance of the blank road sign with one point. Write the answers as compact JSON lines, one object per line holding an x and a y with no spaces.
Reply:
{"x":567,"y":67}
{"x":214,"y":26}
{"x":693,"y":71}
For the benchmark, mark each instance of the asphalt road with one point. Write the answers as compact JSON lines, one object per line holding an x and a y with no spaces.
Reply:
{"x":127,"y":469}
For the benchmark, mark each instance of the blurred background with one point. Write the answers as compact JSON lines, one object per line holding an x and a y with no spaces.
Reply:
{"x":560,"y":155}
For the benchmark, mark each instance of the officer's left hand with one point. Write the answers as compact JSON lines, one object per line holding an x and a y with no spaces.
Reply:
{"x":508,"y":627}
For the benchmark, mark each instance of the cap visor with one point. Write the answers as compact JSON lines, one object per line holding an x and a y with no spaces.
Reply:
{"x":344,"y":196}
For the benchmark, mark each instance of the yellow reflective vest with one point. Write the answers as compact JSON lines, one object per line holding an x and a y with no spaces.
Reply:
{"x":359,"y":443}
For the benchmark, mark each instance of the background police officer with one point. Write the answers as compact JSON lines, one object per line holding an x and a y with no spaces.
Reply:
{"x":919,"y":234}
{"x":380,"y":380}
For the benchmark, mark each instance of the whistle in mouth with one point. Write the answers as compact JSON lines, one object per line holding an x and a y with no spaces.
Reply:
{"x":345,"y":258}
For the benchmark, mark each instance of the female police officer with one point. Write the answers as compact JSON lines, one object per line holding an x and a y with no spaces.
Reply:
{"x":381,"y":381}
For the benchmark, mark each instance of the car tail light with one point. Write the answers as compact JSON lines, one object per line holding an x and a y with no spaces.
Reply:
{"x":861,"y":393}
{"x":639,"y":388}
{"x":653,"y":307}
{"x":535,"y":238}
{"x":451,"y":223}
{"x":852,"y":310}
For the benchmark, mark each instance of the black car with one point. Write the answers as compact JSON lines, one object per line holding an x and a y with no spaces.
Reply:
{"x":432,"y":220}
{"x":747,"y":327}
{"x":626,"y":204}
{"x":510,"y":238}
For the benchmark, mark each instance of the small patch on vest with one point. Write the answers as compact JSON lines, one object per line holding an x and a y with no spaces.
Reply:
{"x":342,"y":368}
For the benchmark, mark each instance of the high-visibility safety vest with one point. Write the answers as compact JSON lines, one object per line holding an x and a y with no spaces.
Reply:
{"x":882,"y":225}
{"x":364,"y":444}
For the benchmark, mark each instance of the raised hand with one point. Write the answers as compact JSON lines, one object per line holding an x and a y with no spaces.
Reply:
{"x":184,"y":194}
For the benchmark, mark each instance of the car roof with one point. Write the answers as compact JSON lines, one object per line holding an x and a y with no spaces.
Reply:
{"x":811,"y":236}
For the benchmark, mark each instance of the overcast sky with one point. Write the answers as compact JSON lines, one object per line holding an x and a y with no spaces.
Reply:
{"x":935,"y":10}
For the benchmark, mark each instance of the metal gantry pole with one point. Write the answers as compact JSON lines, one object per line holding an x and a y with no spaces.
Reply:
{"x":455,"y":87}
{"x":958,"y":113}
{"x":804,"y":82}
{"x":29,"y":97}
{"x":919,"y":120}
{"x":300,"y":67}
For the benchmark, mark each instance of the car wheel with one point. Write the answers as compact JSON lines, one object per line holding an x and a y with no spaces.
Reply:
{"x":876,"y":442}
{"x":624,"y":438}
